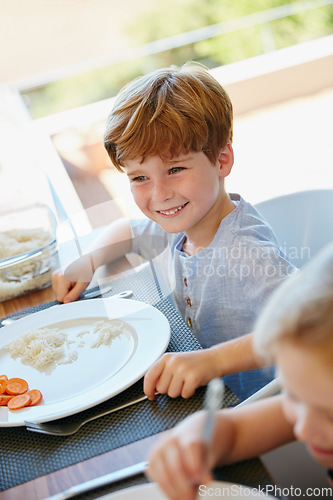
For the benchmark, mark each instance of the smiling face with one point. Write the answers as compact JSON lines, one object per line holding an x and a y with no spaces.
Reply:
{"x":182,"y":194}
{"x":308,"y":381}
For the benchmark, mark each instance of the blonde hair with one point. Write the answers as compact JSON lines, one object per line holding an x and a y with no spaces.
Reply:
{"x":300,"y":310}
{"x":167,"y":112}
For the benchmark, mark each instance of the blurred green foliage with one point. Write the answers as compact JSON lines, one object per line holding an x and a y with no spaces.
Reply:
{"x":167,"y":18}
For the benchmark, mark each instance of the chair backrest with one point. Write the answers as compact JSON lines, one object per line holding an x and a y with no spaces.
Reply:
{"x":302,"y":222}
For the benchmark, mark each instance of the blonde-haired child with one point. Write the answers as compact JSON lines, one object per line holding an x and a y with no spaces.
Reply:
{"x":171,"y":132}
{"x":295,"y":331}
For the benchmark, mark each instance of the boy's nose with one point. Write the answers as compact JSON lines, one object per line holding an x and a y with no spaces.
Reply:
{"x":161,"y":191}
{"x":308,"y":426}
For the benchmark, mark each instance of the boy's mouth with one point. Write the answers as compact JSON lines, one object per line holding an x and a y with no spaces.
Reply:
{"x":320,"y":451}
{"x":172,"y":211}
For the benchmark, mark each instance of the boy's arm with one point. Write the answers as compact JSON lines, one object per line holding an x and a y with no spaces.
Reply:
{"x":112,"y":244}
{"x":182,"y":460}
{"x":258,"y":427}
{"x":180,"y":374}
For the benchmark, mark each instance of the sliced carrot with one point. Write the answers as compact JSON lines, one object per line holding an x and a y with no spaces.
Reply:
{"x":16,"y":386}
{"x":3,"y":385}
{"x":18,"y":402}
{"x":4,"y":398}
{"x":17,"y":389}
{"x":36,"y":396}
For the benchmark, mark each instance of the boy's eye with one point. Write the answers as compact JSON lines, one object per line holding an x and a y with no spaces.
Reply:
{"x":174,"y":170}
{"x":139,"y":178}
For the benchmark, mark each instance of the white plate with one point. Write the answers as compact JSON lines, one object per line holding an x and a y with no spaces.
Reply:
{"x":98,"y":373}
{"x":216,"y":489}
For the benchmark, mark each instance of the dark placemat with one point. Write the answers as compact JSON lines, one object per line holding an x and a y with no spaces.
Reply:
{"x":26,"y":455}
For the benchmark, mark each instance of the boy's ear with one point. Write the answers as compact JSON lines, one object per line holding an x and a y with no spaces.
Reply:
{"x":226,"y":159}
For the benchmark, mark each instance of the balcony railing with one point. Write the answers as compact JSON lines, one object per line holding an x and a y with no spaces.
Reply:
{"x":261,"y":18}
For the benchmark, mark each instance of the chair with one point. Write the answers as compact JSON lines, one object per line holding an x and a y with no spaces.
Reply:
{"x":303,"y":225}
{"x":301,"y":221}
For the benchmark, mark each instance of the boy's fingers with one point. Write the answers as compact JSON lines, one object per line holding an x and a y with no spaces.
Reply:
{"x":167,"y":377}
{"x":175,"y":386}
{"x":180,"y":480}
{"x":194,"y":462}
{"x":167,"y":468}
{"x":191,"y":383}
{"x":75,"y":292}
{"x":70,"y":297}
{"x":151,"y":378}
{"x":187,"y":390}
{"x":60,"y":285}
{"x":60,"y":290}
{"x":164,"y":381}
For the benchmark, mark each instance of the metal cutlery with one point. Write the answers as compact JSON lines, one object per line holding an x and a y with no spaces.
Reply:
{"x":92,"y":294}
{"x":126,"y":294}
{"x":66,"y":429}
{"x":112,"y":477}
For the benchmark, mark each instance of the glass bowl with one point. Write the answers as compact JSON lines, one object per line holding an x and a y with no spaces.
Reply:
{"x":28,"y":250}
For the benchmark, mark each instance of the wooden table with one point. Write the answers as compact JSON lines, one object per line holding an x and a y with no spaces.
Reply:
{"x":102,"y":464}
{"x":58,"y":481}
{"x":30,"y":300}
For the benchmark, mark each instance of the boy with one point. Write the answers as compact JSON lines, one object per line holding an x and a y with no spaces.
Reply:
{"x":171,"y":133}
{"x":295,"y":331}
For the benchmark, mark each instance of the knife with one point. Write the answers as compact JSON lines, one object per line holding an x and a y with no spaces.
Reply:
{"x":63,"y":216}
{"x":110,"y":478}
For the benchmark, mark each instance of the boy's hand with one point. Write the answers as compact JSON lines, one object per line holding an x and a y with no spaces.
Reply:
{"x":66,"y":290}
{"x":180,"y":374}
{"x":179,"y":462}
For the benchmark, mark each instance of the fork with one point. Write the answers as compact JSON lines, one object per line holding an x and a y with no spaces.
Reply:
{"x":66,"y":429}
